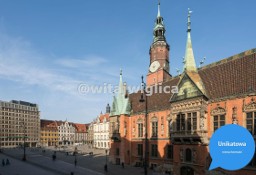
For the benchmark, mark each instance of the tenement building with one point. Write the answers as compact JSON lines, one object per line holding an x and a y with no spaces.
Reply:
{"x":19,"y":124}
{"x":49,"y":133}
{"x":179,"y":125}
{"x":90,"y":135}
{"x":81,"y":133}
{"x":101,"y":130}
{"x":66,"y":132}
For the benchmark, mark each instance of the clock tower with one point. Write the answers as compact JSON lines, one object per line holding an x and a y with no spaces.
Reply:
{"x":159,"y":54}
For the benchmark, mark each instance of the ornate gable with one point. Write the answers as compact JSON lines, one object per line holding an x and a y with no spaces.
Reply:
{"x":187,"y":89}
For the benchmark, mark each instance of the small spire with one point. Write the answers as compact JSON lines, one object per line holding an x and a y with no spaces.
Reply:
{"x":121,"y":83}
{"x":158,"y":14}
{"x":189,"y":61}
{"x":189,"y":22}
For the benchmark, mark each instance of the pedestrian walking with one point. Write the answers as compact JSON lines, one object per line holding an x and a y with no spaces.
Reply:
{"x":7,"y":162}
{"x":106,"y":168}
{"x":122,"y":164}
{"x":53,"y":157}
{"x":75,"y":162}
{"x":3,"y":162}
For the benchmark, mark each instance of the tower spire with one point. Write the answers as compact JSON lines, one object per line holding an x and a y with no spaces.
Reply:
{"x":159,"y":29}
{"x":158,"y":14}
{"x":190,"y":64}
{"x":120,"y":88}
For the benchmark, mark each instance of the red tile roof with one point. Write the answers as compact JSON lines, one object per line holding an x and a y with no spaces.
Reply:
{"x":80,"y":127}
{"x":231,"y":76}
{"x":102,"y":116}
{"x":48,"y":124}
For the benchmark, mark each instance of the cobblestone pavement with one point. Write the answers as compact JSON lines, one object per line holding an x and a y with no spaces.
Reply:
{"x":18,"y":167}
{"x":64,"y":164}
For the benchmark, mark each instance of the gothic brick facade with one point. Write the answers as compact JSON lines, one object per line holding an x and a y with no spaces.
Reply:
{"x":180,"y":125}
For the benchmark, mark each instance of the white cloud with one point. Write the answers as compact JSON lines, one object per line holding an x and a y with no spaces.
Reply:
{"x":86,"y":62}
{"x":22,"y":64}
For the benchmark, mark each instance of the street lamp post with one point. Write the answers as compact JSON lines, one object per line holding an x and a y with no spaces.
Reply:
{"x":106,"y":151}
{"x":144,"y":93}
{"x":24,"y":141}
{"x":106,"y":165}
{"x":1,"y":143}
{"x":75,"y":159}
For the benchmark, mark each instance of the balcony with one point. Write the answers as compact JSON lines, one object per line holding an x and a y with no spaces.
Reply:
{"x":189,"y":137}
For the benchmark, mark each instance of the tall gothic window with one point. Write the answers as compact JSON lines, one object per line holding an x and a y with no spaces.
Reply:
{"x":170,"y":151}
{"x":154,"y":129}
{"x":218,"y":121}
{"x":154,"y":150}
{"x":140,"y":129}
{"x":117,"y":151}
{"x":192,"y":121}
{"x":181,"y":122}
{"x":186,"y":122}
{"x":251,"y":122}
{"x":188,"y":155}
{"x":140,"y":149}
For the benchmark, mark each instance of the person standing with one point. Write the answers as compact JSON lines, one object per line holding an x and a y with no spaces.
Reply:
{"x":106,"y":168}
{"x":3,"y":162}
{"x":75,"y":162}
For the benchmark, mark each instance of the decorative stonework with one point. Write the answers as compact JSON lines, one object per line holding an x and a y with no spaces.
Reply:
{"x":154,"y":119}
{"x":168,"y":117}
{"x":125,"y":128}
{"x":218,"y":111}
{"x":234,"y":115}
{"x":203,"y":111}
{"x":250,"y":107}
{"x":133,"y":129}
{"x":140,"y":120}
{"x":186,"y":106}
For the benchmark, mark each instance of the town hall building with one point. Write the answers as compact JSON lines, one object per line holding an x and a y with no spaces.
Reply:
{"x":178,"y":126}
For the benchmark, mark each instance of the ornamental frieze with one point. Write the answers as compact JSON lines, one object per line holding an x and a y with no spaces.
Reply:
{"x":250,"y":107}
{"x":218,"y":110}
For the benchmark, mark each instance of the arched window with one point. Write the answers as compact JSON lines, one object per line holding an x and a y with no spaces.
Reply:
{"x":188,"y":155}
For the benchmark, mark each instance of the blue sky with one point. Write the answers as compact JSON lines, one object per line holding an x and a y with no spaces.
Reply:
{"x":47,"y":48}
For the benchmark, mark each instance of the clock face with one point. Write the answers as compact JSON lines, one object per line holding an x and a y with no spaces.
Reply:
{"x":154,"y":66}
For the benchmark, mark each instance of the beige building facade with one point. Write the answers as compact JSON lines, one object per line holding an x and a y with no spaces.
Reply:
{"x":19,"y":121}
